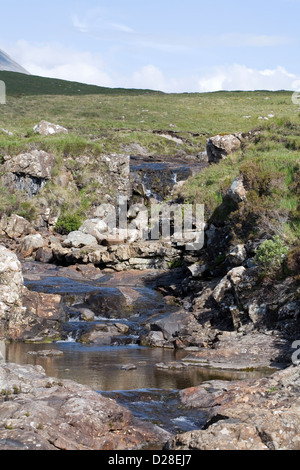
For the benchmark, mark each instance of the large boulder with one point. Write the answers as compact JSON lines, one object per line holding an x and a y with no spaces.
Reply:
{"x":25,"y":315}
{"x":30,"y":244}
{"x":220,"y":146}
{"x":15,"y":226}
{"x":48,"y":128}
{"x":36,"y":163}
{"x":78,"y":239}
{"x":11,"y":289}
{"x":28,"y":171}
{"x":259,"y":414}
{"x":43,"y":413}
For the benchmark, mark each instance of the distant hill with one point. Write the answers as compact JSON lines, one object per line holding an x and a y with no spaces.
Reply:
{"x":24,"y":84}
{"x":8,"y":64}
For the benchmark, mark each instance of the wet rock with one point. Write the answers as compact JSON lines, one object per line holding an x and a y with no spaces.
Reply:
{"x":171,"y":325}
{"x":128,"y":367}
{"x":233,"y":350}
{"x":259,"y":414}
{"x":86,"y":314}
{"x":46,"y":353}
{"x":43,"y":413}
{"x":42,"y":317}
{"x":104,"y":334}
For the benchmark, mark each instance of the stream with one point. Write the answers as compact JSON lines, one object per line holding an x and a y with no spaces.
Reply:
{"x":149,"y":391}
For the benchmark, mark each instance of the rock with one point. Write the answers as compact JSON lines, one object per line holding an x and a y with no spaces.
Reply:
{"x":220,"y":146}
{"x":258,"y":414}
{"x":30,"y":244}
{"x":78,"y":239}
{"x":46,"y":353}
{"x":38,"y":412}
{"x":36,"y":163}
{"x":257,"y":313}
{"x":28,"y":172}
{"x":238,"y":255}
{"x":128,"y":367}
{"x":103,"y":333}
{"x":17,"y":227}
{"x":238,"y":191}
{"x":237,"y":351}
{"x":11,"y":290}
{"x":231,"y":280}
{"x":47,"y":128}
{"x":197,"y":270}
{"x":86,"y":314}
{"x":95,"y":227}
{"x":44,"y":255}
{"x":154,"y":339}
{"x":43,"y":315}
{"x":170,"y":325}
{"x":5,"y":131}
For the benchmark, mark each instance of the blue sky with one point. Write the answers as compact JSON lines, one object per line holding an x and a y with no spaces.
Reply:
{"x":169,"y":45}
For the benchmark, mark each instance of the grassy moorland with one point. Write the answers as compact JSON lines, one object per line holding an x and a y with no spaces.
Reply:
{"x":102,"y":120}
{"x":109,"y":119}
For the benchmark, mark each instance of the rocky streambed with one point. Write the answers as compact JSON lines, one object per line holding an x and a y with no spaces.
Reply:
{"x":101,"y":383}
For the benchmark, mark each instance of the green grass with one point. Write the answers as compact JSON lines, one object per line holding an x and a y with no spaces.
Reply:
{"x":18,"y":84}
{"x":118,"y":117}
{"x":102,"y":120}
{"x":271,"y":172}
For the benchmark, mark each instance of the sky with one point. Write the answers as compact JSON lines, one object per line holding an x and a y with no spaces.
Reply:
{"x":168,"y":45}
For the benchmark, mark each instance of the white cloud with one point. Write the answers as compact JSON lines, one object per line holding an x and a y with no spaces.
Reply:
{"x":240,"y":77}
{"x":96,"y":20}
{"x":56,"y":61}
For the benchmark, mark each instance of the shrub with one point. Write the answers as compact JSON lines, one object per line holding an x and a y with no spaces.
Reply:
{"x":67,"y":223}
{"x":270,"y":256}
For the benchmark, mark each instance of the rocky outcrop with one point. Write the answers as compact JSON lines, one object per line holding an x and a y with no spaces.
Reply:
{"x":43,"y":413}
{"x":28,"y":172}
{"x":261,"y":414}
{"x":11,"y":290}
{"x":25,"y":315}
{"x":220,"y":146}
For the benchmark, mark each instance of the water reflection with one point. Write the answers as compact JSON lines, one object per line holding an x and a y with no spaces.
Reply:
{"x":149,"y":392}
{"x":100,"y":366}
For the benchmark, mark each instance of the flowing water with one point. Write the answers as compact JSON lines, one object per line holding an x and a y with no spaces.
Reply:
{"x":150,"y":392}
